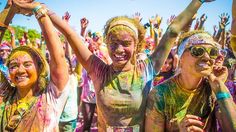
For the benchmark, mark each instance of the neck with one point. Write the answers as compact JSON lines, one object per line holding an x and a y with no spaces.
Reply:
{"x":188,"y":81}
{"x":24,"y":93}
{"x":125,"y":68}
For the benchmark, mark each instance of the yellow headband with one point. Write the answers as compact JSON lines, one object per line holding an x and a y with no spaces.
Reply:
{"x":125,"y":23}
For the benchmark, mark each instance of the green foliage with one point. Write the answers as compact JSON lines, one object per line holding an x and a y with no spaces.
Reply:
{"x":19,"y":33}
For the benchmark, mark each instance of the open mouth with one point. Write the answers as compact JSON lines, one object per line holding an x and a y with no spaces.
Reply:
{"x":120,"y":57}
{"x":21,"y":78}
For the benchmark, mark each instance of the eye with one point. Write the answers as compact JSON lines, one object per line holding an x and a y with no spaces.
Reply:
{"x":28,"y":64}
{"x":214,"y":52}
{"x":127,"y":43}
{"x":13,"y":66}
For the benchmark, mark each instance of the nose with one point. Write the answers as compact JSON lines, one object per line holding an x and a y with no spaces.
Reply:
{"x":119,"y":48}
{"x":21,"y":69}
{"x":206,"y":56}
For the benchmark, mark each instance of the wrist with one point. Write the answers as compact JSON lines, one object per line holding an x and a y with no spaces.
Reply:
{"x":218,"y":86}
{"x":222,"y":96}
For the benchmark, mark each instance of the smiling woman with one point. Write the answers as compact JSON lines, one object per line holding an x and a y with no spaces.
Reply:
{"x":35,"y":100}
{"x":196,"y":98}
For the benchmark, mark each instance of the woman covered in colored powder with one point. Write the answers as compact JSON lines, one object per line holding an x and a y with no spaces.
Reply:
{"x":34,"y":101}
{"x":122,"y":87}
{"x":197,"y":98}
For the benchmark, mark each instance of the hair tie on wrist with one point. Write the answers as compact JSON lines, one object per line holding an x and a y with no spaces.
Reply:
{"x":36,"y":8}
{"x":202,"y":1}
{"x":222,"y":95}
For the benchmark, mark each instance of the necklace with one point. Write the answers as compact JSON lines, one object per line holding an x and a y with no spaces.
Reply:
{"x":178,"y":82}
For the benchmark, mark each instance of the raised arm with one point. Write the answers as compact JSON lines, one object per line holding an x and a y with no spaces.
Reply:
{"x":58,"y":71}
{"x":81,"y":51}
{"x":83,"y":24}
{"x":203,"y":19}
{"x":163,"y":49}
{"x":13,"y":39}
{"x":233,"y":28}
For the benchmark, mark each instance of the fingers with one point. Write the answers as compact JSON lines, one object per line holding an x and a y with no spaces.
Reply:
{"x":194,"y":129}
{"x":193,"y":122}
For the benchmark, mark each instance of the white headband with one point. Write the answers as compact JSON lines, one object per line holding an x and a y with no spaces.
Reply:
{"x":196,"y":39}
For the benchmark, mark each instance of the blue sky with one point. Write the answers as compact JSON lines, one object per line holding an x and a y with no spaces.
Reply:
{"x":99,"y":11}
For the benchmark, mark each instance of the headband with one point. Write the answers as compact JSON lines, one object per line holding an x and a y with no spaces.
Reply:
{"x":125,"y":23}
{"x":196,"y":39}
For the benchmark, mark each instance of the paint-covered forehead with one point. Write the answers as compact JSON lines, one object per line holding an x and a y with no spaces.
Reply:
{"x":20,"y":54}
{"x":121,"y":35}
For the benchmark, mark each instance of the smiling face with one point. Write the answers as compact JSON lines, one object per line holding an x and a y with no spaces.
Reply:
{"x":121,"y":47}
{"x":23,"y":70}
{"x":197,"y":66}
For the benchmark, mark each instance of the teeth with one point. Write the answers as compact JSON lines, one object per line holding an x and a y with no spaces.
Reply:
{"x":20,"y":78}
{"x":119,"y":56}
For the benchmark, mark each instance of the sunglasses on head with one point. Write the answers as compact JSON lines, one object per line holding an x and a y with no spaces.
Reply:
{"x":199,"y":51}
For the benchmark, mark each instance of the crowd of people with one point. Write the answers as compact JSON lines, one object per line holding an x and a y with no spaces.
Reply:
{"x":122,"y":80}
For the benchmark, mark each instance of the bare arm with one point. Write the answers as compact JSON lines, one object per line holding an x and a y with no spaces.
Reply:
{"x":233,"y":28}
{"x":58,"y":71}
{"x":163,"y":49}
{"x":81,"y":51}
{"x":227,"y":107}
{"x":13,"y":39}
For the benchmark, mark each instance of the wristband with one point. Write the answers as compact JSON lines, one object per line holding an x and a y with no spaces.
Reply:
{"x":202,"y":1}
{"x":36,"y":8}
{"x":40,"y":13}
{"x":222,"y":95}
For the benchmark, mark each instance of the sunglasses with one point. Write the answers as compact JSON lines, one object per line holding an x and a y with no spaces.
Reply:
{"x":199,"y":51}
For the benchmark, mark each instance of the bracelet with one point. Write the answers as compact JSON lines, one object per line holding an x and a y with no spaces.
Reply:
{"x":202,"y":1}
{"x":222,"y":95}
{"x":40,"y":13}
{"x":36,"y":8}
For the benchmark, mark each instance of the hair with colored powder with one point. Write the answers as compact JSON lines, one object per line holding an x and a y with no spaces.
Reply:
{"x":41,"y":62}
{"x":129,"y":24}
{"x":186,"y":35}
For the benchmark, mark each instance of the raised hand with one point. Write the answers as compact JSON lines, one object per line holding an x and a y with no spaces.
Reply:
{"x":215,"y":28}
{"x":152,"y":20}
{"x":224,"y":20}
{"x":84,"y":23}
{"x":137,"y":16}
{"x":197,"y":24}
{"x":24,"y":7}
{"x":66,"y":16}
{"x":171,"y":19}
{"x":203,"y":18}
{"x":158,"y":21}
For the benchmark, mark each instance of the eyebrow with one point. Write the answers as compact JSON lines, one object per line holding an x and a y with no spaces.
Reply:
{"x":14,"y":62}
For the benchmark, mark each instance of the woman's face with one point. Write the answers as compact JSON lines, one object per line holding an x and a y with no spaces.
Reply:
{"x":168,"y":65}
{"x":121,"y":48}
{"x":23,"y":70}
{"x":197,"y":66}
